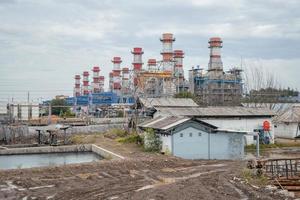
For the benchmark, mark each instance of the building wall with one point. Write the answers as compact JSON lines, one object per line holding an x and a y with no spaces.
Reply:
{"x":241,"y":124}
{"x":190,"y":147}
{"x":227,"y":146}
{"x":286,"y":130}
{"x":192,"y":143}
{"x":166,"y":143}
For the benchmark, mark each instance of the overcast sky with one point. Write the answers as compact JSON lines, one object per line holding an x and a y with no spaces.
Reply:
{"x":44,"y":43}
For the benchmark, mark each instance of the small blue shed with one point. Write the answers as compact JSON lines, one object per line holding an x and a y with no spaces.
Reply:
{"x":192,"y":138}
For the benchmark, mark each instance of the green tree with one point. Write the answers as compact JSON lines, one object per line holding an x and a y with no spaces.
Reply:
{"x":184,"y":94}
{"x":56,"y":109}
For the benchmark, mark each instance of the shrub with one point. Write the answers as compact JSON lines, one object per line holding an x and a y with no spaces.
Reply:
{"x":132,"y":138}
{"x":152,"y":141}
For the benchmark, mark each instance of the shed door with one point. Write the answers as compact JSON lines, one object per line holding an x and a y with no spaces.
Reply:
{"x":190,"y":143}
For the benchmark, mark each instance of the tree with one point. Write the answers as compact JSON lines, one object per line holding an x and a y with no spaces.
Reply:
{"x":184,"y":94}
{"x":58,"y":107}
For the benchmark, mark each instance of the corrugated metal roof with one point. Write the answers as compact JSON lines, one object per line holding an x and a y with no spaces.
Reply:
{"x":168,"y":102}
{"x":164,"y":123}
{"x":235,"y":111}
{"x":290,"y":115}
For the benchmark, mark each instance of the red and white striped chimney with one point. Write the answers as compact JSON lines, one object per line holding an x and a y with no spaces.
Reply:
{"x":178,"y":58}
{"x":215,"y":61}
{"x":101,"y":83}
{"x":152,"y":65}
{"x":137,"y":63}
{"x":167,"y":46}
{"x":77,"y":91}
{"x":117,"y":74}
{"x":125,"y":80}
{"x":111,"y":81}
{"x":85,"y":82}
{"x":96,"y":79}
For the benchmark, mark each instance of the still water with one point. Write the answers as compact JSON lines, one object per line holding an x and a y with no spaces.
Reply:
{"x":45,"y":159}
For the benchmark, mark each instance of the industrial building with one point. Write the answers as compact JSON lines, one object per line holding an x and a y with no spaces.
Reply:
{"x":236,"y":118}
{"x":287,"y":124}
{"x":215,"y":87}
{"x":191,"y":138}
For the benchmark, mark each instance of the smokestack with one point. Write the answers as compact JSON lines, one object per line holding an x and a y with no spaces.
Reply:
{"x":125,"y":80}
{"x":101,"y":83}
{"x":85,"y":81}
{"x":215,"y":62}
{"x":96,"y":79}
{"x":178,"y":58}
{"x":167,"y":46}
{"x":152,"y":64}
{"x":137,"y":62}
{"x":77,"y":91}
{"x":116,"y":74}
{"x":111,"y":81}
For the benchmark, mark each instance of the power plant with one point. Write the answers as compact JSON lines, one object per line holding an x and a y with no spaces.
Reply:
{"x":164,"y":78}
{"x":215,"y":87}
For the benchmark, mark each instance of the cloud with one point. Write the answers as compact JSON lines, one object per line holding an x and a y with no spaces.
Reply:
{"x":55,"y":39}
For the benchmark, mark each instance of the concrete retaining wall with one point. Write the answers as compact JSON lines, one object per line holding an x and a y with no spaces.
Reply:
{"x":109,"y":120}
{"x":63,"y":149}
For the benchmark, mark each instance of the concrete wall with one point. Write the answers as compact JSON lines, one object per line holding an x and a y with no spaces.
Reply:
{"x":120,"y":120}
{"x":15,"y":133}
{"x":286,"y":130}
{"x":12,"y":133}
{"x":192,"y":143}
{"x":61,"y":149}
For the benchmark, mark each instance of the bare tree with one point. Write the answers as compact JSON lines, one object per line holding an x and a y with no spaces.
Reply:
{"x":261,"y":87}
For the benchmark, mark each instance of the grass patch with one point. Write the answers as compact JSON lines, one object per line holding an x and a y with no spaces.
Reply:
{"x":253,"y":179}
{"x":116,"y":133}
{"x":132,"y":138}
{"x":272,"y":146}
{"x":83,"y":139}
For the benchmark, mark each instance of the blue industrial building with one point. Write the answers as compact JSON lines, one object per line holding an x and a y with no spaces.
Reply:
{"x":100,"y":99}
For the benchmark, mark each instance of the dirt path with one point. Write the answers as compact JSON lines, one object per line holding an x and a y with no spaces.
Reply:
{"x":140,"y":176}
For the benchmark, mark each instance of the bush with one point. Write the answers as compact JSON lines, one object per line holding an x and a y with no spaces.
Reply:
{"x":152,"y":141}
{"x":132,"y":138}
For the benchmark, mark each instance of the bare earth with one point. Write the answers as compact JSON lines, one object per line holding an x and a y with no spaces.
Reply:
{"x":140,"y":176}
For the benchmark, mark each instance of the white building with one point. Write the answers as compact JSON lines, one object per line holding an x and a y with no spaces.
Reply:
{"x":235,"y":118}
{"x":287,"y":125}
{"x":191,"y":138}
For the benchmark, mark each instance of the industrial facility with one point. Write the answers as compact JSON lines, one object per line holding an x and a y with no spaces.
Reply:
{"x":214,"y":87}
{"x":159,"y":78}
{"x":162,"y":78}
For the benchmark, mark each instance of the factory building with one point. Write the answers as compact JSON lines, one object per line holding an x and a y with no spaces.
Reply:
{"x":215,"y":87}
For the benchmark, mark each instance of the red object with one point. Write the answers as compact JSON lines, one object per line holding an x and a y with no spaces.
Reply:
{"x":266,"y":126}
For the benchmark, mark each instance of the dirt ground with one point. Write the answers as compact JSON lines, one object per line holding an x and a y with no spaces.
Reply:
{"x":140,"y":176}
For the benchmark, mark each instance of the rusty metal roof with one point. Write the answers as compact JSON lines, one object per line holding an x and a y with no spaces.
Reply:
{"x":290,"y":115}
{"x":168,"y":102}
{"x":236,"y":111}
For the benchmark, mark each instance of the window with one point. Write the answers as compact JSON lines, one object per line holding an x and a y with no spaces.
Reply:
{"x":191,"y":134}
{"x":181,"y":134}
{"x":199,"y":134}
